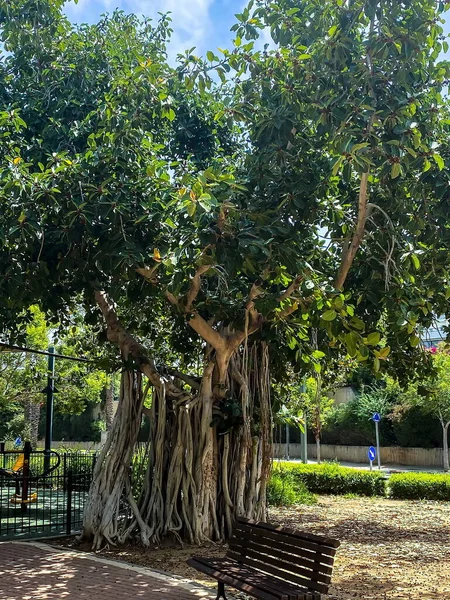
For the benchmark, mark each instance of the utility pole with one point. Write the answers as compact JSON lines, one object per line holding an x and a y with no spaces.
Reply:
{"x":49,"y":391}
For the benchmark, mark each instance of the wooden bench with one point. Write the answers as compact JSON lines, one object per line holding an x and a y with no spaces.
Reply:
{"x":272,"y":563}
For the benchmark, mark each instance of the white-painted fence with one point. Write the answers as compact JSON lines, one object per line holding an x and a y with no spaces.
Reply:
{"x":414,"y":457}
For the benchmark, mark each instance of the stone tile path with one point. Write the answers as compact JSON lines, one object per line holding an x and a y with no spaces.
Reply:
{"x":33,"y":571}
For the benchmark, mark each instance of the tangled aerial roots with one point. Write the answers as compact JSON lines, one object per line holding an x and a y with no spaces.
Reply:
{"x":195,"y":482}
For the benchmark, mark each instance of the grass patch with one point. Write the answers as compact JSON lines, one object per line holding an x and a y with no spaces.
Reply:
{"x":285,"y":490}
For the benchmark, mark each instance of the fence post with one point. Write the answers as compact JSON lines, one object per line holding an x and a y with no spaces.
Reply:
{"x":69,"y":503}
{"x":2,"y":451}
{"x":25,"y":476}
{"x":65,"y":472}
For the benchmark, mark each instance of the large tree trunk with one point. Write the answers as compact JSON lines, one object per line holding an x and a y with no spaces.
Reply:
{"x":445,"y":427}
{"x":207,"y":459}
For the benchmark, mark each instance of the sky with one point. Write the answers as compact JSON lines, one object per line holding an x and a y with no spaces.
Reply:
{"x":204,"y":24}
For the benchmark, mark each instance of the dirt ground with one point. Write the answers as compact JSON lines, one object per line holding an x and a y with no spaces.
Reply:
{"x":390,"y":549}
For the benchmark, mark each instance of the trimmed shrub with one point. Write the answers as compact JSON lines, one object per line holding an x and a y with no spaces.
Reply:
{"x":330,"y":478}
{"x":419,"y":486}
{"x":285,"y":490}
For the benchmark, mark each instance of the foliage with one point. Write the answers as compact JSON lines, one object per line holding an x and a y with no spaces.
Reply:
{"x":23,"y":376}
{"x":405,"y":428}
{"x":419,"y":486}
{"x":285,"y":490}
{"x":433,"y":394}
{"x":299,"y":204}
{"x":377,"y":399}
{"x":330,"y":478}
{"x":127,"y":194}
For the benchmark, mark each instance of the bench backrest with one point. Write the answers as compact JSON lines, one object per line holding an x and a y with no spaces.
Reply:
{"x":299,"y":558}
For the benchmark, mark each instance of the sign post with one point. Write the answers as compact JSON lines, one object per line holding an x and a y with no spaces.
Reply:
{"x":371,"y":454}
{"x":376,"y":419}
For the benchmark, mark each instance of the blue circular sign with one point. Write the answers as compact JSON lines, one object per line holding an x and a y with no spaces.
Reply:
{"x":376,"y":417}
{"x":372,"y":453}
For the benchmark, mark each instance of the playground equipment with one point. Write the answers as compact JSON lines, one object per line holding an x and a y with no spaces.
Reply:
{"x":22,"y":474}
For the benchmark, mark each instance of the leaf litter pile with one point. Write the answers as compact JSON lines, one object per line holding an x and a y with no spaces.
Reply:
{"x":391,"y":549}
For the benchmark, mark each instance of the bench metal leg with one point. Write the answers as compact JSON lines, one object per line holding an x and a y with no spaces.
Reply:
{"x":221,"y":591}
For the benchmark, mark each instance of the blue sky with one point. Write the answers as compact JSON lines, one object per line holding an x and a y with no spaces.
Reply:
{"x":201,"y":23}
{"x":204,"y":24}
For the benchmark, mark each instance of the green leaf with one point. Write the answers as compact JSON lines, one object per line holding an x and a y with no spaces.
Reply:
{"x":395,"y":170}
{"x":210,"y":56}
{"x":373,"y":338}
{"x":439,"y":161}
{"x":414,"y":341}
{"x":376,"y":364}
{"x":415,"y":261}
{"x":318,"y":354}
{"x":384,"y":353}
{"x":332,"y":30}
{"x":357,"y":323}
{"x":337,"y":165}
{"x":329,"y":315}
{"x":191,"y":208}
{"x":363,"y":353}
{"x":317,"y":367}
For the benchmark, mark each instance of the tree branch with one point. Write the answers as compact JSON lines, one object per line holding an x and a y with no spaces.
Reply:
{"x":348,"y":254}
{"x":148,"y":273}
{"x":129,"y":346}
{"x":291,"y":289}
{"x":195,"y":287}
{"x":201,"y":326}
{"x":191,"y":381}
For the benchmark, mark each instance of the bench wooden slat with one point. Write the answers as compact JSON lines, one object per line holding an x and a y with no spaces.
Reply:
{"x":248,"y":531}
{"x":250,"y":580}
{"x":277,"y":570}
{"x":294,"y":568}
{"x":293,"y":533}
{"x":254,"y":578}
{"x":312,"y":560}
{"x":239,"y":584}
{"x":273,"y":563}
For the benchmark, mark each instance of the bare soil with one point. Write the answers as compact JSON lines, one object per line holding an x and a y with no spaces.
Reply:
{"x":390,"y":549}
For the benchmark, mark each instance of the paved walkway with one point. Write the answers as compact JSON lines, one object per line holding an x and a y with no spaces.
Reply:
{"x":32,"y":571}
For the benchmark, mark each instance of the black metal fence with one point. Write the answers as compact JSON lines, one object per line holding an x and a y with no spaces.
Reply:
{"x":52,"y":503}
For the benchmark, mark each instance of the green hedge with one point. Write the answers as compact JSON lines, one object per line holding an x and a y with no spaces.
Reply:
{"x":330,"y":478}
{"x":419,"y":486}
{"x":284,"y":490}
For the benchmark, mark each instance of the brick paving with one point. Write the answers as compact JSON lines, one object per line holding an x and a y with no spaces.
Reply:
{"x":39,"y":572}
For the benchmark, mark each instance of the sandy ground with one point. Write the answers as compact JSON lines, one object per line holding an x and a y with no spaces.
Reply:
{"x":390,"y":549}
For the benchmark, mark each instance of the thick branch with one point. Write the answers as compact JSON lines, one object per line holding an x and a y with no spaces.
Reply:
{"x":128,"y":345}
{"x":348,"y":254}
{"x":191,"y":381}
{"x":291,"y":289}
{"x":195,"y":287}
{"x":148,"y":273}
{"x":202,"y":327}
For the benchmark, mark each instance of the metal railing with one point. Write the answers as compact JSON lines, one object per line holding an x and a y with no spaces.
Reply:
{"x":49,"y":504}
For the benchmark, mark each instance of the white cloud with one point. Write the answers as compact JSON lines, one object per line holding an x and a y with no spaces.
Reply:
{"x":85,"y":8}
{"x":191,"y":21}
